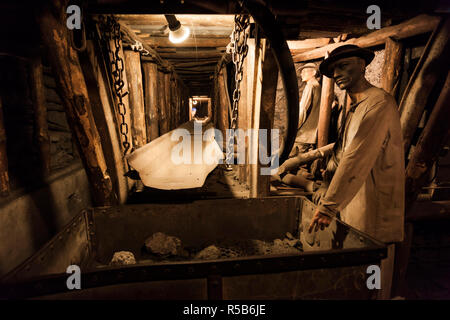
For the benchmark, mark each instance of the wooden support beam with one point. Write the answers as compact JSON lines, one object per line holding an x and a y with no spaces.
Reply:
{"x":178,"y":86}
{"x":158,"y":42}
{"x":150,"y":75}
{"x":222,"y":103}
{"x":266,"y":121}
{"x":419,"y":88}
{"x":101,"y":96}
{"x":132,"y":37}
{"x":429,"y":211}
{"x":300,"y":46}
{"x":197,"y":54}
{"x":40,"y":113}
{"x":178,"y":103}
{"x":72,"y":87}
{"x":185,"y":104}
{"x":326,"y":102}
{"x":245,"y":107}
{"x":163,"y":125}
{"x":308,"y":43}
{"x":173,"y":98}
{"x":196,"y":70}
{"x":215,"y":100}
{"x":435,"y":134}
{"x":431,"y":141}
{"x":260,"y":52}
{"x":168,"y":92}
{"x":393,"y":54}
{"x":172,"y":101}
{"x":415,"y":26}
{"x":195,"y":64}
{"x":176,"y":113}
{"x":136,"y":97}
{"x":4,"y":176}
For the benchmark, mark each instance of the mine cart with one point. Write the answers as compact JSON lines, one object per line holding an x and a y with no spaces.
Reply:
{"x":331,"y":263}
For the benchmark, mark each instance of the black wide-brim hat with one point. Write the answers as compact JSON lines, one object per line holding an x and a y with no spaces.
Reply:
{"x":345,"y":51}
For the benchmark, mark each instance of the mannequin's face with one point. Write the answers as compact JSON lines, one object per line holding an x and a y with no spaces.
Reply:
{"x":307,"y":74}
{"x":348,"y":72}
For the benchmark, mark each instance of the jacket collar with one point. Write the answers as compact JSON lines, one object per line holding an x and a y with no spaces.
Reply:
{"x":364,"y":96}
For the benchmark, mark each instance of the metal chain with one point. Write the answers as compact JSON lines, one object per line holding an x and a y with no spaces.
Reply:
{"x":239,"y":38}
{"x":117,"y":67}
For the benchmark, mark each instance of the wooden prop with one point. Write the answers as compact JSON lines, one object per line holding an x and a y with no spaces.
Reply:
{"x":72,"y":87}
{"x":136,"y":97}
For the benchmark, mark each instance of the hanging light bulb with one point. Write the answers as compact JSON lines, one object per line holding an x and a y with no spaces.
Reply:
{"x":177,"y":33}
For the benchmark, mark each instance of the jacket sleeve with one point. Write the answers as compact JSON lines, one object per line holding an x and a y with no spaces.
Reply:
{"x":357,"y":160}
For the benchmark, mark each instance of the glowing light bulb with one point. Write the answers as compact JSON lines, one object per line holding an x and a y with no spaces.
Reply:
{"x":179,"y":35}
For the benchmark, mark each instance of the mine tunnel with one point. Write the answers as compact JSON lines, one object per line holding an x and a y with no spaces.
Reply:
{"x":178,"y":149}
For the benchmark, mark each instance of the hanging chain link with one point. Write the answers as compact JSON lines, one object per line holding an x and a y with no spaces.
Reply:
{"x":117,"y":67}
{"x":239,"y":38}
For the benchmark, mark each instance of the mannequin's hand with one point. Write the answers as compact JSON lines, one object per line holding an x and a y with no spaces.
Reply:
{"x":319,"y":220}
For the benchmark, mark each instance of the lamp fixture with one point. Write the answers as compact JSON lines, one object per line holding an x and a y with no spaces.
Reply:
{"x":177,"y":33}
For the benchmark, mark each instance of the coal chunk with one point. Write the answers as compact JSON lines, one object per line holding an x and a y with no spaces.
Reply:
{"x":163,"y":245}
{"x":209,"y":253}
{"x":121,"y":258}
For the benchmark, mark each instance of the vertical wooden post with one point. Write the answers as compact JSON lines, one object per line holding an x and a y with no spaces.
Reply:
{"x":72,"y":87}
{"x":245,"y":106}
{"x":326,"y":101}
{"x":136,"y":97}
{"x":184,"y":105}
{"x":434,"y":136}
{"x":393,"y":54}
{"x":151,"y":99}
{"x":169,"y":110}
{"x":40,"y":113}
{"x":4,"y":176}
{"x":163,"y":127}
{"x":268,"y":95}
{"x":215,"y":96}
{"x":168,"y":105}
{"x":209,"y":109}
{"x":418,"y":90}
{"x":173,"y":110}
{"x":260,"y":52}
{"x":179,"y":122}
{"x":175,"y":103}
{"x":102,"y":101}
{"x":222,"y":104}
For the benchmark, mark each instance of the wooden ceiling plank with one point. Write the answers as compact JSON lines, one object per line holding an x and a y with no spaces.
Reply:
{"x":190,"y":42}
{"x":417,"y":25}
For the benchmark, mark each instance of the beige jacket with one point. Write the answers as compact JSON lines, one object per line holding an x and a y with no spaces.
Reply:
{"x":367,"y":168}
{"x":309,"y":113}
